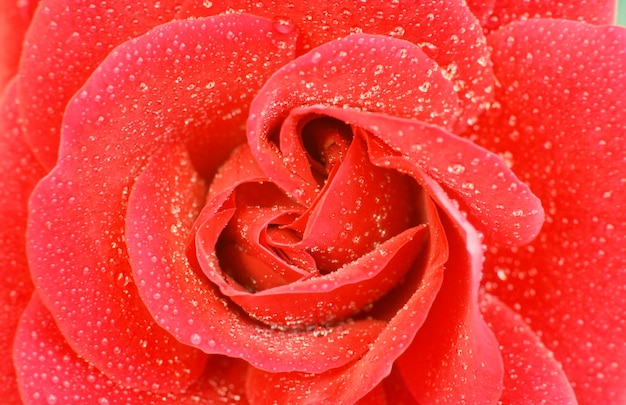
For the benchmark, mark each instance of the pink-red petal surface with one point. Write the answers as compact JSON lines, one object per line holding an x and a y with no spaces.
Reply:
{"x":590,"y":11}
{"x":50,"y":372}
{"x":15,"y":19}
{"x":532,"y":374}
{"x":561,"y":123}
{"x":445,"y":29}
{"x":20,"y":172}
{"x":454,"y":357}
{"x":405,"y":310}
{"x":191,"y":308}
{"x":77,"y":246}
{"x":68,"y":40}
{"x":497,"y":202}
{"x":368,"y":72}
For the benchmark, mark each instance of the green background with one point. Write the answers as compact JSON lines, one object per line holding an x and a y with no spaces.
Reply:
{"x":621,"y":12}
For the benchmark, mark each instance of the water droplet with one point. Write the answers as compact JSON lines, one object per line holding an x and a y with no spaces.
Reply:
{"x":283,"y":25}
{"x":196,"y":339}
{"x":456,"y":168}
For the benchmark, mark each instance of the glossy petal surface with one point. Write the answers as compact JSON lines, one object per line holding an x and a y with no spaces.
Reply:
{"x":454,"y":356}
{"x":20,"y":172}
{"x":532,"y":374}
{"x":560,"y":124}
{"x":188,"y":305}
{"x":68,"y":41}
{"x":51,"y":372}
{"x":404,"y":310}
{"x":445,"y":29}
{"x":361,"y":71}
{"x":590,"y":11}
{"x":497,"y":202}
{"x":15,"y":19}
{"x":119,"y":118}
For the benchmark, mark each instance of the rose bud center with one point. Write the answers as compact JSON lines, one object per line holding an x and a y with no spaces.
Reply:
{"x":363,"y":230}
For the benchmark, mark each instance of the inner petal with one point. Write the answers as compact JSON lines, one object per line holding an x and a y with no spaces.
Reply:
{"x":360,"y":206}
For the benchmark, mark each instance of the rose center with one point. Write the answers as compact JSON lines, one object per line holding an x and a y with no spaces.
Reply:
{"x":359,"y":206}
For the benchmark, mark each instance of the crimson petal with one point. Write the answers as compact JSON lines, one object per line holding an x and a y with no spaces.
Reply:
{"x":590,"y":11}
{"x":561,"y":121}
{"x":532,"y":374}
{"x":65,"y":44}
{"x":445,"y":29}
{"x":404,"y":312}
{"x":191,"y":308}
{"x":501,"y":206}
{"x":361,"y":71}
{"x":76,"y":237}
{"x":20,"y":172}
{"x":454,"y":357}
{"x":15,"y":19}
{"x":51,"y":372}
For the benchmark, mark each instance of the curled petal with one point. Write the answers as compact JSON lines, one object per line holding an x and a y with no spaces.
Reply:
{"x":51,"y":372}
{"x":367,"y":72}
{"x":501,"y":205}
{"x":532,"y":374}
{"x":77,"y":241}
{"x":560,"y":122}
{"x":190,"y":307}
{"x":20,"y":172}
{"x":446,"y":30}
{"x":404,"y":311}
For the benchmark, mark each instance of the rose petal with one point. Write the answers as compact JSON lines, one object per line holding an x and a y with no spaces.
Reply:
{"x":190,"y":307}
{"x":531,"y":372}
{"x":482,"y":9}
{"x":123,"y":114}
{"x":362,"y":71}
{"x":561,"y":123}
{"x":19,"y":172}
{"x":497,"y":203}
{"x":15,"y":18}
{"x":454,"y":357}
{"x":445,"y":29}
{"x":51,"y":372}
{"x":66,"y":43}
{"x":404,"y":312}
{"x":590,"y":11}
{"x":358,"y":199}
{"x":320,"y":299}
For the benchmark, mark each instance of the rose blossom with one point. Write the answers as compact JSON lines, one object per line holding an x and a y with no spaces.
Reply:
{"x":267,"y":202}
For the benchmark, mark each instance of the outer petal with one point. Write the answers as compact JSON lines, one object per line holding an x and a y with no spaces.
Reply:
{"x":68,"y":41}
{"x":19,"y":172}
{"x":561,"y":122}
{"x":445,"y":29}
{"x":367,"y":72}
{"x":124,"y":114}
{"x":51,"y":372}
{"x":532,"y":375}
{"x":590,"y":11}
{"x":15,"y":18}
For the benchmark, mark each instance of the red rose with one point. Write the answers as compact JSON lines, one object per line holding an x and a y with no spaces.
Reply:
{"x":287,"y":203}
